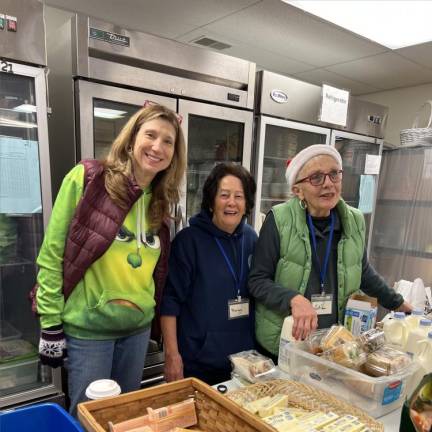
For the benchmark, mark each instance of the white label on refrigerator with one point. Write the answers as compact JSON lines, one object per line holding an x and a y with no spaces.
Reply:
{"x":372,"y":164}
{"x":19,"y":176}
{"x":334,"y":105}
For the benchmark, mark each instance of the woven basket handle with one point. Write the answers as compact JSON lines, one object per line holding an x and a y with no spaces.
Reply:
{"x":416,"y":119}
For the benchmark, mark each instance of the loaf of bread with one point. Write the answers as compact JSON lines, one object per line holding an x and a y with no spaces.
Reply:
{"x":386,"y":361}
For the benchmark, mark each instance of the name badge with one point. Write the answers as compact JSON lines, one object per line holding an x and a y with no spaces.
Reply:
{"x":322,"y":303}
{"x":238,"y":308}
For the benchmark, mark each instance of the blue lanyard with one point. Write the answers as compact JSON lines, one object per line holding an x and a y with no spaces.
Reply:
{"x":323,"y":270}
{"x":237,"y":280}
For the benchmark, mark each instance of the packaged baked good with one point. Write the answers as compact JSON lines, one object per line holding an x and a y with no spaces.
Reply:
{"x":371,"y":340}
{"x":348,"y":354}
{"x":386,"y":361}
{"x":335,"y":336}
{"x":251,"y":365}
{"x":312,"y":343}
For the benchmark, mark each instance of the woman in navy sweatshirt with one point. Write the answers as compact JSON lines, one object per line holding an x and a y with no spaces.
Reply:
{"x":206,"y":313}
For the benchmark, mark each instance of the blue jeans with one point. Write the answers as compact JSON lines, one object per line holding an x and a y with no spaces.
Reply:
{"x":119,"y":359}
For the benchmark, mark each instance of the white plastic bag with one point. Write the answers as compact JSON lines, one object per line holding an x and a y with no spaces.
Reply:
{"x":412,"y":292}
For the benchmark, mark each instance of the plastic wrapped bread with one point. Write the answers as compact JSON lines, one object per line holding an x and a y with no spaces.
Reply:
{"x":336,"y":335}
{"x":386,"y":361}
{"x":372,"y":340}
{"x":348,"y":354}
{"x":251,"y":365}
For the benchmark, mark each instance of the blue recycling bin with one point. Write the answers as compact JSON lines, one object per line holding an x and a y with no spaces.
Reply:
{"x":45,"y":417}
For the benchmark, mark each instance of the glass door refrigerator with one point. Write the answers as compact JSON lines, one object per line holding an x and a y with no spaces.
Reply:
{"x":288,"y":121}
{"x":113,"y":71}
{"x":354,"y":149}
{"x":279,"y":141}
{"x":25,"y":204}
{"x":213,"y":134}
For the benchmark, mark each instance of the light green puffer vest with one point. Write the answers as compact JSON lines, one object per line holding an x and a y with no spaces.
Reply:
{"x":294,"y":265}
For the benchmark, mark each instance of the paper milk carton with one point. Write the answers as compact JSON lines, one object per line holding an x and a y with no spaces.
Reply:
{"x":360,"y":313}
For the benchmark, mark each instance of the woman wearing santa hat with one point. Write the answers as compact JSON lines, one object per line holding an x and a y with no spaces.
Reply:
{"x":311,"y":255}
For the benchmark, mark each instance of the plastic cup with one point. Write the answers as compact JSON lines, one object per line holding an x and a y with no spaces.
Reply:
{"x":102,"y":388}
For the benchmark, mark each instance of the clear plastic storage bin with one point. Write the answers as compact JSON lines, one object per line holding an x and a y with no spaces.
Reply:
{"x":13,"y":374}
{"x":375,"y":395}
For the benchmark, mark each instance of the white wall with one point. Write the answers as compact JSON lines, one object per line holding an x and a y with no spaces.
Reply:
{"x":403,"y":105}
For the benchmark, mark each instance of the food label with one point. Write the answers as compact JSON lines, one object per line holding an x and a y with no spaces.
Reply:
{"x":392,"y":392}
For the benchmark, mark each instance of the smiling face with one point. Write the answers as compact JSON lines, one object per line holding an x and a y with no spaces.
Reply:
{"x":320,"y":199}
{"x":230,"y":204}
{"x":153,"y":150}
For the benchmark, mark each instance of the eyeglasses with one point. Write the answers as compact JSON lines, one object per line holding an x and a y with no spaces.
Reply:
{"x":318,"y":179}
{"x":148,"y":103}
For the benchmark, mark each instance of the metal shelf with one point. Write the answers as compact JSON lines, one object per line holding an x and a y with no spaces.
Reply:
{"x":17,"y":262}
{"x":278,"y":158}
{"x":404,"y":203}
{"x":398,"y":251}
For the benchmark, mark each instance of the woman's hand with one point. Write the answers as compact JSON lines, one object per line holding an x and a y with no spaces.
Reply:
{"x":304,"y":316}
{"x":404,"y":307}
{"x":173,"y":367}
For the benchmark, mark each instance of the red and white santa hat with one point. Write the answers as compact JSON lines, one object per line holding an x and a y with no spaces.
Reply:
{"x":300,"y":159}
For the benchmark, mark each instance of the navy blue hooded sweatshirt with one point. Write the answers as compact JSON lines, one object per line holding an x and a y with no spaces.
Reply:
{"x":199,"y":286}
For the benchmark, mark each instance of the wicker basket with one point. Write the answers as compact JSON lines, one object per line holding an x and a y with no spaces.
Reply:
{"x":215,"y":412}
{"x":305,"y":397}
{"x":415,"y":134}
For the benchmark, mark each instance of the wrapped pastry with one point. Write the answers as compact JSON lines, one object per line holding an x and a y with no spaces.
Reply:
{"x":336,"y":335}
{"x":312,"y":343}
{"x":251,"y":365}
{"x":371,"y":340}
{"x":386,"y":361}
{"x":349,"y":354}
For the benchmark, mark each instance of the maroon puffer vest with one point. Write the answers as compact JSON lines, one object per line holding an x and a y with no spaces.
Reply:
{"x":94,"y":227}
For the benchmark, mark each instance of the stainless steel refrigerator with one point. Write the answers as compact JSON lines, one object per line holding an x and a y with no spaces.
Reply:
{"x":101,"y":74}
{"x":287,"y":115}
{"x":25,"y":201}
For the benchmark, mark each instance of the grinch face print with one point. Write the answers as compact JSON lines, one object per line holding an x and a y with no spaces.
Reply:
{"x":148,"y":240}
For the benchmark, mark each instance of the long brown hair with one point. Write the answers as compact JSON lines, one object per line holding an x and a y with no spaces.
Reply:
{"x":166,"y":184}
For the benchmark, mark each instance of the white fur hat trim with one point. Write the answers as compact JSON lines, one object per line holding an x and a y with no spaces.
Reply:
{"x":301,"y":158}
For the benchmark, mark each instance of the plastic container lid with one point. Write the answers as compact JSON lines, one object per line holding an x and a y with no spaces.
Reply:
{"x":417,"y":312}
{"x":425,"y":322}
{"x":102,"y":388}
{"x":399,"y":315}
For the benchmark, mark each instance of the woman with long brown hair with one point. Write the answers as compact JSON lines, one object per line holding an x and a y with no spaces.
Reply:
{"x":103,"y":261}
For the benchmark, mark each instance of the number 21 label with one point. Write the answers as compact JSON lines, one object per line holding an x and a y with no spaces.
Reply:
{"x":5,"y":66}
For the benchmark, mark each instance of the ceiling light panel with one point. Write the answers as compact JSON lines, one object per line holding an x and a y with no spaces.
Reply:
{"x":394,"y":24}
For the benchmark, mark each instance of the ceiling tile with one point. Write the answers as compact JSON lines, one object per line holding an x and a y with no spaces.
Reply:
{"x":421,"y":54}
{"x":384,"y":71}
{"x":165,"y":18}
{"x":272,"y":61}
{"x":322,"y":76}
{"x":290,"y":32}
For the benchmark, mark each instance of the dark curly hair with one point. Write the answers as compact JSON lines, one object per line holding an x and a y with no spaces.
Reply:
{"x":221,"y":170}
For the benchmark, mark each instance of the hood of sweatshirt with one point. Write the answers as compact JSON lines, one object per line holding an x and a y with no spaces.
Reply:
{"x":203,"y":221}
